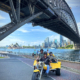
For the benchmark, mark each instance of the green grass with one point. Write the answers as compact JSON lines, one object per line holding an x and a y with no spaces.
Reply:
{"x":1,"y":57}
{"x":67,"y":47}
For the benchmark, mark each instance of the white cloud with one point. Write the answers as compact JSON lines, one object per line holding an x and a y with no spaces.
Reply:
{"x":73,"y":3}
{"x":11,"y":39}
{"x":36,"y":43}
{"x":78,"y":26}
{"x":40,"y":30}
{"x":51,"y":38}
{"x":23,"y":30}
{"x":65,"y":38}
{"x":2,"y":24}
{"x":1,"y":17}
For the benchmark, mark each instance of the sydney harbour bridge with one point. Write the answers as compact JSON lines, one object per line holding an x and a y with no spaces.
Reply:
{"x":54,"y":15}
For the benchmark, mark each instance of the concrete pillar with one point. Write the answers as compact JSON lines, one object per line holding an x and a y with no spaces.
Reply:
{"x":76,"y":46}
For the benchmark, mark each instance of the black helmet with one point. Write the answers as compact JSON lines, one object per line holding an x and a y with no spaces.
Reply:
{"x":45,"y":53}
{"x":41,"y":49}
{"x":50,"y":53}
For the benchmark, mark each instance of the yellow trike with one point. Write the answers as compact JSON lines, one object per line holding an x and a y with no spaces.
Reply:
{"x":40,"y":68}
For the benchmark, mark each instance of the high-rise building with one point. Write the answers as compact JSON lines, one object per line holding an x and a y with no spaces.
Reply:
{"x":70,"y":42}
{"x":64,"y":43}
{"x":58,"y":44}
{"x":61,"y":40}
{"x":43,"y":45}
{"x":50,"y":43}
{"x":55,"y":41}
{"x":46,"y":42}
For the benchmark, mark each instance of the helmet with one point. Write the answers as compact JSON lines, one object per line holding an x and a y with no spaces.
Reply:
{"x":50,"y":53}
{"x":45,"y":53}
{"x":41,"y":49}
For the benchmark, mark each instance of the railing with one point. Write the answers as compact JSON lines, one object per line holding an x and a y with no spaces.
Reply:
{"x":61,"y":56}
{"x":69,"y":57}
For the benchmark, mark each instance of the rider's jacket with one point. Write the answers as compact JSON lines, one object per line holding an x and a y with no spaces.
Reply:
{"x":51,"y":57}
{"x":41,"y":55}
{"x":46,"y":60}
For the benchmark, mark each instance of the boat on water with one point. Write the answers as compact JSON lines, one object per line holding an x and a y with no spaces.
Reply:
{"x":53,"y":48}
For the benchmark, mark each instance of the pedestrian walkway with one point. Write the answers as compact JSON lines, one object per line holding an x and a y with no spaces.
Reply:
{"x":73,"y":65}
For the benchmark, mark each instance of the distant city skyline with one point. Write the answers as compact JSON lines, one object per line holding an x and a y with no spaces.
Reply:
{"x":48,"y":43}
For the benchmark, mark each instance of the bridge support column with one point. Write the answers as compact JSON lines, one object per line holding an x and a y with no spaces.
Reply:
{"x":76,"y":46}
{"x":18,"y":9}
{"x":13,"y":10}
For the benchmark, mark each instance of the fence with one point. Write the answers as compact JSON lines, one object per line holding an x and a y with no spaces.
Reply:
{"x":69,"y":57}
{"x":62,"y":56}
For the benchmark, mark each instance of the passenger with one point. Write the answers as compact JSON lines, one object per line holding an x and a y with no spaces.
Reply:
{"x":41,"y":54}
{"x":37,"y":52}
{"x":46,"y":60}
{"x":47,"y":52}
{"x":52,"y":58}
{"x":34,"y":52}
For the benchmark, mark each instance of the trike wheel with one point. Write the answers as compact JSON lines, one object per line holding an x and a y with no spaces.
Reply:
{"x":58,"y":72}
{"x":35,"y":76}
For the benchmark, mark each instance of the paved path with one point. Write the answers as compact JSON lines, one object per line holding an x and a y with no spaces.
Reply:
{"x":71,"y":65}
{"x":14,"y":69}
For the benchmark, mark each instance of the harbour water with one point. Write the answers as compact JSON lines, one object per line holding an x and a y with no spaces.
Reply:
{"x":66,"y":54}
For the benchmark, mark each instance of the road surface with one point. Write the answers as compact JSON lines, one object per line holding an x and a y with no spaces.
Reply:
{"x":19,"y":68}
{"x":14,"y":69}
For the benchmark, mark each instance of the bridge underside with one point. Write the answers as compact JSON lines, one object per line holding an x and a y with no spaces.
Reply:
{"x":27,"y":11}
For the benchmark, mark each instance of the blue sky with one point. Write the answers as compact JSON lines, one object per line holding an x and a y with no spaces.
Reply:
{"x":28,"y":34}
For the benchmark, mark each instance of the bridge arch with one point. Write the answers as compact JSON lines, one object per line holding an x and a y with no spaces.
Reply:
{"x":61,"y":8}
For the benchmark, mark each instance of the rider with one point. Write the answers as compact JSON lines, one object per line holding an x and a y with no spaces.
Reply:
{"x":46,"y":60}
{"x":52,"y":58}
{"x":34,"y":52}
{"x":40,"y":55}
{"x":47,"y":52}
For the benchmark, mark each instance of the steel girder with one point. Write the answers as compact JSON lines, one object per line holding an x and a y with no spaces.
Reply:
{"x":7,"y":9}
{"x":14,"y":26}
{"x":18,"y":9}
{"x":13,"y":11}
